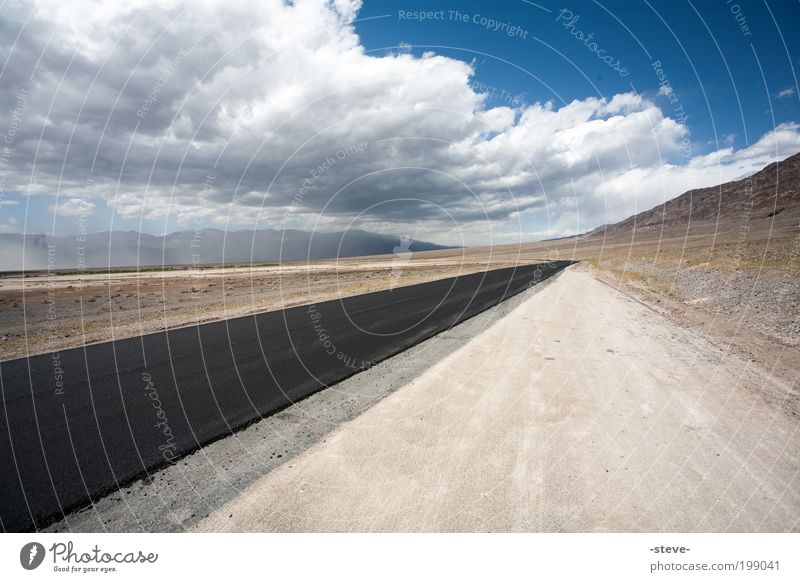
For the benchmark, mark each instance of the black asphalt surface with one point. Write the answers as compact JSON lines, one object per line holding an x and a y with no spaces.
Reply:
{"x":80,"y":424}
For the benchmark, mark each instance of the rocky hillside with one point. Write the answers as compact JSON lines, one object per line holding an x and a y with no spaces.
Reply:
{"x":773,"y":191}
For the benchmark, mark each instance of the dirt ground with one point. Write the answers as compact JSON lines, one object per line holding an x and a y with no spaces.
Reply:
{"x":739,"y":285}
{"x":42,"y":312}
{"x":581,"y":410}
{"x":742,"y":291}
{"x":652,"y":387}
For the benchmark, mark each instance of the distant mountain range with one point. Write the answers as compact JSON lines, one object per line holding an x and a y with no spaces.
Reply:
{"x":189,"y":247}
{"x":773,"y":191}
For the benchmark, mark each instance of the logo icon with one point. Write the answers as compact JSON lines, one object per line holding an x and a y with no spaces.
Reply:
{"x":31,"y":555}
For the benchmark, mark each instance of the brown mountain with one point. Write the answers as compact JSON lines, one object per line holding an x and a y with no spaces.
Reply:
{"x":771,"y":192}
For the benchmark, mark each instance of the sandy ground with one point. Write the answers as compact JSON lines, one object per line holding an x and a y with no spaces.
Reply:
{"x":581,"y":410}
{"x":41,"y":312}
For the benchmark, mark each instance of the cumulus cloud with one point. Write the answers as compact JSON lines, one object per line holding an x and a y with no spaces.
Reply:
{"x":272,"y":114}
{"x":74,"y":207}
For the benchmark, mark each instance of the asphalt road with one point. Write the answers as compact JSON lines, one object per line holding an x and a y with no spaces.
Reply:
{"x":79,"y":424}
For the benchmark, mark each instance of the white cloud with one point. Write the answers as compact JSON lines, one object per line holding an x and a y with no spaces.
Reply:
{"x":664,"y":91}
{"x":10,"y":227}
{"x":788,"y":92}
{"x":74,"y":207}
{"x":256,"y":97}
{"x":656,"y":184}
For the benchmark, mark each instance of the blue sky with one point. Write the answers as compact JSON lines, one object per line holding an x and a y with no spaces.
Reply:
{"x":727,"y":79}
{"x":500,"y":118}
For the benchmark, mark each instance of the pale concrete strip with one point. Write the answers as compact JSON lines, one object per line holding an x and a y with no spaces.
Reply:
{"x":581,"y":410}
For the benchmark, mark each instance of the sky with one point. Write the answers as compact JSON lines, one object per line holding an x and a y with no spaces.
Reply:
{"x":460,"y":123}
